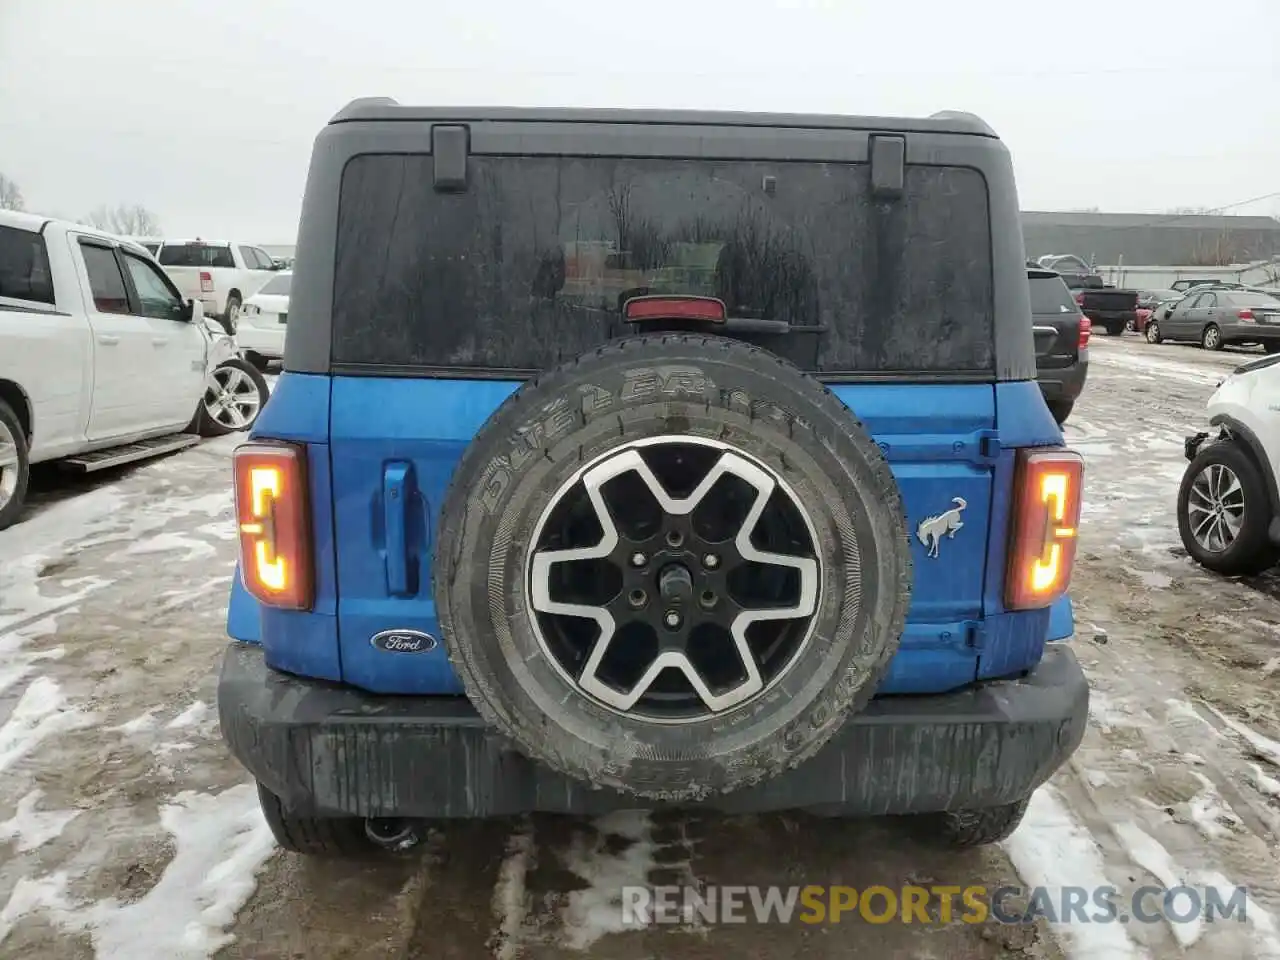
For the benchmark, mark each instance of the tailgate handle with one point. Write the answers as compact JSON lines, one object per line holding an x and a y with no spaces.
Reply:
{"x":395,"y":514}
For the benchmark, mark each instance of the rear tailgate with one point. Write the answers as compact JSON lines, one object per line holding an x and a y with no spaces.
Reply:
{"x":187,"y":280}
{"x":194,"y":266}
{"x":1107,"y":301}
{"x":445,"y":300}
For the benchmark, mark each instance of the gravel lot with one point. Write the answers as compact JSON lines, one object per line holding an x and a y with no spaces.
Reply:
{"x":127,"y":832}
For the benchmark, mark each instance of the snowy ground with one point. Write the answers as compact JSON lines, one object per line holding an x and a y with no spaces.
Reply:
{"x":127,"y":833}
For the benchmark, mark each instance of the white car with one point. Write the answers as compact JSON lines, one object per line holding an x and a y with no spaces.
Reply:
{"x":222,"y":275}
{"x":260,"y":331}
{"x":1229,"y":502}
{"x":102,"y":361}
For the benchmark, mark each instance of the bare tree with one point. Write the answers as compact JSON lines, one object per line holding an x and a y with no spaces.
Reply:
{"x":127,"y":220}
{"x":10,"y":195}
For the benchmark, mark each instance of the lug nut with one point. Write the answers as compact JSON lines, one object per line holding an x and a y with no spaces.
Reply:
{"x":672,"y":619}
{"x":711,"y":561}
{"x":638,"y":559}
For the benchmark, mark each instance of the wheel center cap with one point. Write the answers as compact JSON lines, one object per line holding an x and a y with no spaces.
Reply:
{"x":675,"y":583}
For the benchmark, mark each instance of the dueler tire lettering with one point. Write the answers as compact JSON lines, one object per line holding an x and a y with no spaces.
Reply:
{"x":724,"y":394}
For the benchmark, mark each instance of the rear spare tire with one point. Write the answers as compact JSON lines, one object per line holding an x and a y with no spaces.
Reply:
{"x":672,"y":567}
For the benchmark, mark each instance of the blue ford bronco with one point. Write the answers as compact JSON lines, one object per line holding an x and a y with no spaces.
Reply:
{"x":653,"y":459}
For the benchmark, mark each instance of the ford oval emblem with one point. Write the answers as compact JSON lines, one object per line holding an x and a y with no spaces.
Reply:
{"x":403,"y":641}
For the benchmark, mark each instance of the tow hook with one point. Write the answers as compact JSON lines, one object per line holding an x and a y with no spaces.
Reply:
{"x":394,"y":833}
{"x":1191,"y":445}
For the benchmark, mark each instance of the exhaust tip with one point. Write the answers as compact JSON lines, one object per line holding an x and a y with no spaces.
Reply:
{"x":394,"y":834}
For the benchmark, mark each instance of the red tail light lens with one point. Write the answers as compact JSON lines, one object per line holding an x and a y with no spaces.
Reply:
{"x":675,"y":308}
{"x":206,"y":282}
{"x":1048,"y":486}
{"x":1245,"y":314}
{"x":1080,"y":299}
{"x":1086,"y":328}
{"x":273,"y":514}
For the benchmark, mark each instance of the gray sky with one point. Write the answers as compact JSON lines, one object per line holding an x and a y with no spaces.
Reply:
{"x":205,"y":111}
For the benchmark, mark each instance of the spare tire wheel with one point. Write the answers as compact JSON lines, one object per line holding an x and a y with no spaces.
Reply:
{"x":672,"y":567}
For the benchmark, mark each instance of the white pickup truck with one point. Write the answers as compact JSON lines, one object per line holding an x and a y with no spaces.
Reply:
{"x":102,"y":361}
{"x":222,"y":275}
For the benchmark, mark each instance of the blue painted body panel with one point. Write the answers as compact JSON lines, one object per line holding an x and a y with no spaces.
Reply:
{"x":305,"y":643}
{"x":382,"y":452}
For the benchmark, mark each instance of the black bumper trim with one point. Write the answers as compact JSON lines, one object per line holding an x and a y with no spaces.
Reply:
{"x":333,"y":750}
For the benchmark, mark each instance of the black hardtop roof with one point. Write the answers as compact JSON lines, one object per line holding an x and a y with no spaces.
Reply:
{"x":381,"y":109}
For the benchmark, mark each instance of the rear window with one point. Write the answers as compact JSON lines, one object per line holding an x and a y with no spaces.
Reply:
{"x":24,"y":266}
{"x":196,"y":255}
{"x":531,"y":264}
{"x":278,"y":285}
{"x":1050,"y":295}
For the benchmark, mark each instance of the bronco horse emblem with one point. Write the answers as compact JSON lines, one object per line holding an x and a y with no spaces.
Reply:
{"x":933,"y":529}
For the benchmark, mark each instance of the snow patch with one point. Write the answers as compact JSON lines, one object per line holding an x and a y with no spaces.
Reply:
{"x":140,"y":724}
{"x":172,"y":542}
{"x":32,"y":828}
{"x":1052,"y":849}
{"x":31,"y":896}
{"x":1107,"y":714}
{"x":510,"y":897}
{"x":1148,"y":853}
{"x":1154,"y":580}
{"x":221,"y":843}
{"x":595,"y":911}
{"x":1207,"y":811}
{"x":192,"y":716}
{"x":1268,"y":786}
{"x":42,"y":712}
{"x":1096,"y":778}
{"x":1265,"y":748}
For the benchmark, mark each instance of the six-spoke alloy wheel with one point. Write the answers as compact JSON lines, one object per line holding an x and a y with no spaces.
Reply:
{"x":671,"y":567}
{"x":673,"y":578}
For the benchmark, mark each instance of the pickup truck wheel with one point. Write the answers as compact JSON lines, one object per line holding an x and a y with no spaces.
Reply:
{"x":235,"y":394}
{"x":315,"y":836}
{"x":15,"y":468}
{"x":672,"y":567}
{"x":973,"y":828}
{"x":231,"y":316}
{"x":1152,"y":332}
{"x":1224,"y":511}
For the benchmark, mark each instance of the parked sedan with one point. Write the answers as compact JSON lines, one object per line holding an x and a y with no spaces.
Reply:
{"x":1216,"y":317}
{"x":260,"y":332}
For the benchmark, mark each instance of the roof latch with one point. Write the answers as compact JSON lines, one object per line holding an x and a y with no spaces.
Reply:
{"x":888,"y":166}
{"x":450,"y":144}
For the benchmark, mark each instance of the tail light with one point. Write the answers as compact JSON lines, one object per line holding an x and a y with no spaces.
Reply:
{"x":1080,"y":299}
{"x":1086,"y":328}
{"x":1244,"y":314}
{"x":206,"y":281}
{"x":1045,"y":528}
{"x":273,"y":516}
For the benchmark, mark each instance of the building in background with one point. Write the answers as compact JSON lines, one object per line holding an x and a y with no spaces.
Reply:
{"x":1152,"y":239}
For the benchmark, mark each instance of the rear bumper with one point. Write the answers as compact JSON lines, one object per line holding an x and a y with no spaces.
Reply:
{"x":1111,"y":318}
{"x":268,"y":343}
{"x":1063,"y":383}
{"x":1255,"y":332}
{"x":333,"y":750}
